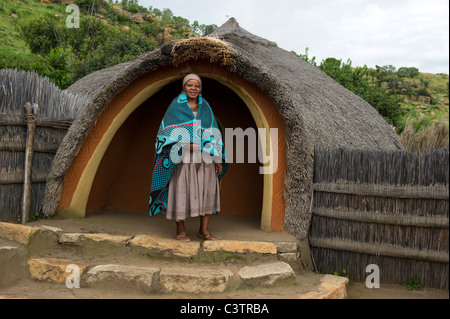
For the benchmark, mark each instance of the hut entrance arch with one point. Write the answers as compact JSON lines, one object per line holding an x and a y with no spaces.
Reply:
{"x":114,"y":164}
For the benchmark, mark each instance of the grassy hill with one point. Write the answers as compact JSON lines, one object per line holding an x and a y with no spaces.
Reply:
{"x":126,"y":30}
{"x":13,"y":48}
{"x":12,"y":12}
{"x":425,"y":97}
{"x":35,"y":36}
{"x":426,"y":100}
{"x":431,"y":101}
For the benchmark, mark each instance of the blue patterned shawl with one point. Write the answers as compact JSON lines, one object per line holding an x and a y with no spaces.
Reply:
{"x":179,"y":128}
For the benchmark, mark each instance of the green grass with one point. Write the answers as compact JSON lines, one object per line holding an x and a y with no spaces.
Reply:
{"x":13,"y":11}
{"x":425,"y":114}
{"x":438,"y":80}
{"x":427,"y":125}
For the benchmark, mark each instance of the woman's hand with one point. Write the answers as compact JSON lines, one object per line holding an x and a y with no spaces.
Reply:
{"x":219,"y":169}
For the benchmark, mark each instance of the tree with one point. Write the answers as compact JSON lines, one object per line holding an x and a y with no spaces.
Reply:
{"x":408,"y":72}
{"x":208,"y":28}
{"x":203,"y":29}
{"x":167,"y":15}
{"x":386,"y":74}
{"x":156,"y":12}
{"x":306,"y":57}
{"x":180,"y":23}
{"x":357,"y":80}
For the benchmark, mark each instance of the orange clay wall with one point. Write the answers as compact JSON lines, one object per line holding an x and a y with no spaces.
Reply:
{"x":123,"y":179}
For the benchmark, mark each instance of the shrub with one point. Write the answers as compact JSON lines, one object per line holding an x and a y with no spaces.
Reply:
{"x":65,"y":55}
{"x":41,"y":33}
{"x":89,"y":6}
{"x":423,"y":91}
{"x":119,"y":46}
{"x":408,"y":72}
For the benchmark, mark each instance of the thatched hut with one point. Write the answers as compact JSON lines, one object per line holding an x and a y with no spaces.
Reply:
{"x":105,"y":159}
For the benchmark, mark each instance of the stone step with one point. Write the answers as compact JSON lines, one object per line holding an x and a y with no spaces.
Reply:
{"x":46,"y":240}
{"x":166,"y":247}
{"x":195,"y":281}
{"x":54,"y":270}
{"x":331,"y":287}
{"x":148,"y":264}
{"x":192,"y":279}
{"x":16,"y":232}
{"x":125,"y":276}
{"x":267,"y":275}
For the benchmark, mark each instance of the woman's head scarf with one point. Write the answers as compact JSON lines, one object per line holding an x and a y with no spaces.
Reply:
{"x":189,"y":77}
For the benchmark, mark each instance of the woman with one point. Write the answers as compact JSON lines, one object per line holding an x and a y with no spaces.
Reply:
{"x":189,"y":161}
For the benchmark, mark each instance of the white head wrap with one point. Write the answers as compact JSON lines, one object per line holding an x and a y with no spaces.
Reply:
{"x":189,"y":77}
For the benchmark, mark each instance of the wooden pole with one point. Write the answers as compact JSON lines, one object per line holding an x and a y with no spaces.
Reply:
{"x":30,"y":117}
{"x":380,"y":249}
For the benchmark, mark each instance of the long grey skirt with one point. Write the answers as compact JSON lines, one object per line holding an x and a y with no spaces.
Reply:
{"x":193,"y":191}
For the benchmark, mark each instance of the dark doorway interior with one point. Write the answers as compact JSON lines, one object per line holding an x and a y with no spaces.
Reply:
{"x":123,"y":179}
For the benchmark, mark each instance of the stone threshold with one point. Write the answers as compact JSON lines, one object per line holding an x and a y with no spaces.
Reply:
{"x":26,"y":235}
{"x":174,"y":279}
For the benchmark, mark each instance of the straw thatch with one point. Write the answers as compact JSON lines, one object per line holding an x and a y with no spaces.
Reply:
{"x":208,"y":48}
{"x":385,"y":208}
{"x":316,"y":109}
{"x":57,"y":110}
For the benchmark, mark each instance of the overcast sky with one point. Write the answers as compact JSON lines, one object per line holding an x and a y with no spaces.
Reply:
{"x":412,"y":33}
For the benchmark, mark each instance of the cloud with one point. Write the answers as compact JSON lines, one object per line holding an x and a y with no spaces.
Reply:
{"x":382,"y":32}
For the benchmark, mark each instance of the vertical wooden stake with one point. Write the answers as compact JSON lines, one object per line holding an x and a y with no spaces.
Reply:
{"x":30,"y":117}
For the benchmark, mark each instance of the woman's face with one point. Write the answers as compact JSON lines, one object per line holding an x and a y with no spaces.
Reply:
{"x":192,"y":89}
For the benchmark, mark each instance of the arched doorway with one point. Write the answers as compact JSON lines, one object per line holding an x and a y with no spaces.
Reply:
{"x":123,"y":178}
{"x":79,"y":179}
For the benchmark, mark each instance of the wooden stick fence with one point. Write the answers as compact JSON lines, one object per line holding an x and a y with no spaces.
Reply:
{"x":385,"y":208}
{"x":27,"y":177}
{"x":28,"y":143}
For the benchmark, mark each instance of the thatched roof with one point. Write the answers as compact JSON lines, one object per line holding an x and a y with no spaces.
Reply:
{"x":316,"y":109}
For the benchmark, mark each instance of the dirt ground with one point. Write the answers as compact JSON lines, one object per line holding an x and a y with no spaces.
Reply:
{"x":235,"y":228}
{"x":358,"y":290}
{"x":130,"y":224}
{"x":28,"y":289}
